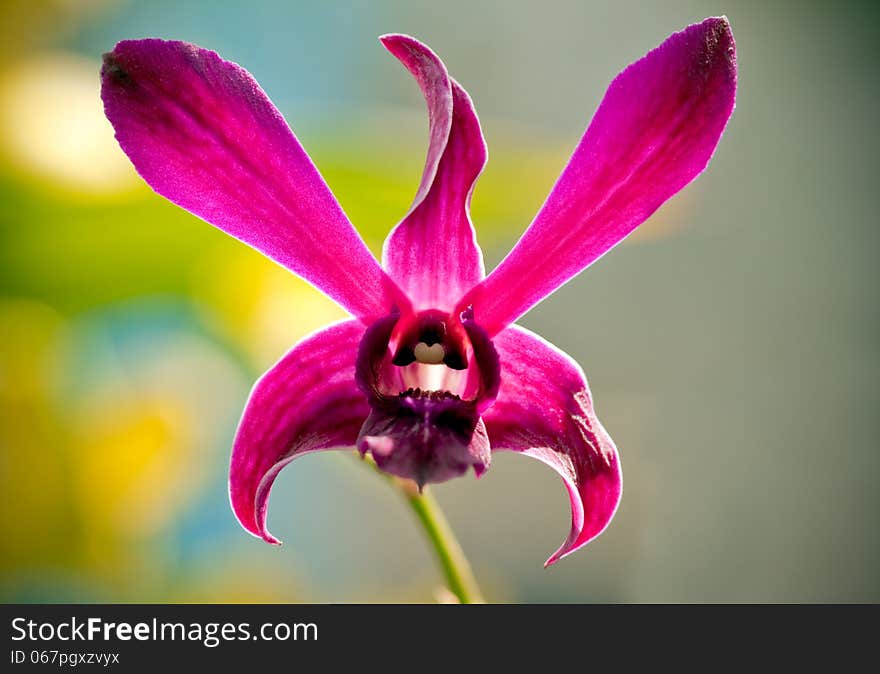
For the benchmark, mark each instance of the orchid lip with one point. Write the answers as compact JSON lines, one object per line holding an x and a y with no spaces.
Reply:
{"x":430,"y":395}
{"x":425,"y":415}
{"x":425,"y":436}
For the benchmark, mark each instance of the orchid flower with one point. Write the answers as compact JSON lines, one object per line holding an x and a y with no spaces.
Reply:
{"x":431,"y":375}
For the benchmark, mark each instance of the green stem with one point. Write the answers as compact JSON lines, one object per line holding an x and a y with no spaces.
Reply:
{"x":455,"y":566}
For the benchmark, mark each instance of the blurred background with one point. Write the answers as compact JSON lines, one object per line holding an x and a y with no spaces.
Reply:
{"x":731,"y":343}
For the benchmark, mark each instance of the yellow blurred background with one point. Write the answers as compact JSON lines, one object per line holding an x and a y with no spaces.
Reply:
{"x":731,"y":342}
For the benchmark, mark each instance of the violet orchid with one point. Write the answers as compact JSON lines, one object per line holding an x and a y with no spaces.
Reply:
{"x":431,"y":375}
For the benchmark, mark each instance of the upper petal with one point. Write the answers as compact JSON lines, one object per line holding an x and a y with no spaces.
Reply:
{"x":654,"y":132}
{"x":544,"y":410}
{"x":203,"y":134}
{"x":306,"y":402}
{"x":433,"y":253}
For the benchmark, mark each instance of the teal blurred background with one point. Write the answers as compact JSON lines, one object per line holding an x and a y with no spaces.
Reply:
{"x":731,"y":343}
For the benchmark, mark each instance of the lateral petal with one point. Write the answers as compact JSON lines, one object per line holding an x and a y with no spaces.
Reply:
{"x":653,"y":133}
{"x":203,"y":134}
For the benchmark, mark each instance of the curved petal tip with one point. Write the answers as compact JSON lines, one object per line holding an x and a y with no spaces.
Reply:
{"x":307,"y":402}
{"x":544,"y":411}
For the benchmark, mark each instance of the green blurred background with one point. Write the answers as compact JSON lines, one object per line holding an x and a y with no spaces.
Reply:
{"x":731,"y":343}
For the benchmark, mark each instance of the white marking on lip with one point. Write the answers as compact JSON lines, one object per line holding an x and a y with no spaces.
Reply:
{"x":429,"y":355}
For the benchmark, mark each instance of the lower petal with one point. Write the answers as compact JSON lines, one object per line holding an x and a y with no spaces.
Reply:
{"x":544,"y":410}
{"x":306,"y":402}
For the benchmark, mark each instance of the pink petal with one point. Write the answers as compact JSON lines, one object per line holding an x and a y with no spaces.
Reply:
{"x":306,"y":402}
{"x":203,"y":134}
{"x":544,"y":410}
{"x":433,"y":253}
{"x":654,"y":132}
